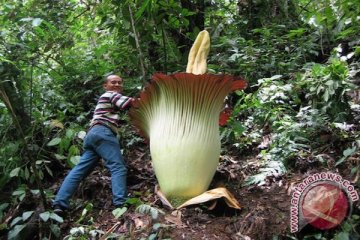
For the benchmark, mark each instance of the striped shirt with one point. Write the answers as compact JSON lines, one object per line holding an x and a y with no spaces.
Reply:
{"x":107,"y":109}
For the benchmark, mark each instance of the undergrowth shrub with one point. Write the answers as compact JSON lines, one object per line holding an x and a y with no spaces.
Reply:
{"x":300,"y":116}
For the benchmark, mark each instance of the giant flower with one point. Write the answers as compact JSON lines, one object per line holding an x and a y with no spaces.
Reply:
{"x":179,"y":114}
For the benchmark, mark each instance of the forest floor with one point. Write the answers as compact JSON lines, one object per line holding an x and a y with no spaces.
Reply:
{"x":264,"y":214}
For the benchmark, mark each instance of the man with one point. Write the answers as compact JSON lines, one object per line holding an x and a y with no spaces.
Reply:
{"x":100,"y":142}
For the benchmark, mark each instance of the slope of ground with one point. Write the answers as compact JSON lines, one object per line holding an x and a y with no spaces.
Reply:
{"x":264,"y":214}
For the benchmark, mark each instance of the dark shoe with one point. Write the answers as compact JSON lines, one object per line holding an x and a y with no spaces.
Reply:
{"x":59,"y":210}
{"x":121,"y":205}
{"x":118,"y":206}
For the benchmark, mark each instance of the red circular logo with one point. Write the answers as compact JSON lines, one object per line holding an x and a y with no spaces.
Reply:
{"x":325,"y":206}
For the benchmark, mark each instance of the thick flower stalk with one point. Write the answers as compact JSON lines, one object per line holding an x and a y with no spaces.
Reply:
{"x":179,"y":115}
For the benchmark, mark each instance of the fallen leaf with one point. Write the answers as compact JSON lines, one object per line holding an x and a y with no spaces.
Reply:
{"x":216,"y":193}
{"x":175,"y":218}
{"x":162,"y":197}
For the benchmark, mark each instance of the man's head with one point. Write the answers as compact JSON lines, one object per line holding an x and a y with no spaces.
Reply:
{"x":113,"y":83}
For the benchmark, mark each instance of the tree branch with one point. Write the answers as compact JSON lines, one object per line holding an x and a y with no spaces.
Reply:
{"x":137,"y":41}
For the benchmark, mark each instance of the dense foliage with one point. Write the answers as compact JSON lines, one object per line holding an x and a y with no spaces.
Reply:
{"x":301,"y":59}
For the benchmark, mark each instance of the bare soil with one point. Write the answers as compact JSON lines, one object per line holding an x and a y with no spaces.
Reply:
{"x":264,"y":214}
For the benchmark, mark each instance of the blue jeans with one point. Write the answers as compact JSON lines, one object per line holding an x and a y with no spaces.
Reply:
{"x":99,"y":142}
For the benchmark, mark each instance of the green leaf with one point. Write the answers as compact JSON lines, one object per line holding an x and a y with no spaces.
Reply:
{"x":56,"y":217}
{"x":26,"y":19}
{"x":296,"y":32}
{"x":3,"y":226}
{"x":275,"y":77}
{"x":18,"y":192}
{"x":134,"y":201}
{"x":70,"y":133}
{"x":15,"y":172}
{"x":357,"y":50}
{"x":346,"y":33}
{"x":346,"y":226}
{"x":341,"y":160}
{"x":329,"y":83}
{"x":156,"y":226}
{"x":36,"y":22}
{"x":326,"y":95}
{"x":149,"y":210}
{"x":14,"y":233}
{"x":255,"y":179}
{"x":238,"y":128}
{"x":81,"y":135}
{"x":54,"y":142}
{"x":45,"y":216}
{"x":87,"y":209}
{"x":342,"y":236}
{"x":15,"y":221}
{"x":118,"y":212}
{"x":74,"y":160}
{"x":74,"y":150}
{"x":26,"y":215}
{"x":22,"y":196}
{"x":349,"y":151}
{"x":152,"y":236}
{"x":60,"y":157}
{"x":35,"y":191}
{"x":49,"y":170}
{"x":27,"y":173}
{"x":55,"y":229}
{"x":319,"y":89}
{"x":142,"y":9}
{"x":3,"y":206}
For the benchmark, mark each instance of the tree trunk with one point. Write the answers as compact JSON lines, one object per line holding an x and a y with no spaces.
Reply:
{"x":264,"y":12}
{"x":8,"y":84}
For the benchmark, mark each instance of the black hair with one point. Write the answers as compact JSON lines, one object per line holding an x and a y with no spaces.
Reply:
{"x":108,"y":75}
